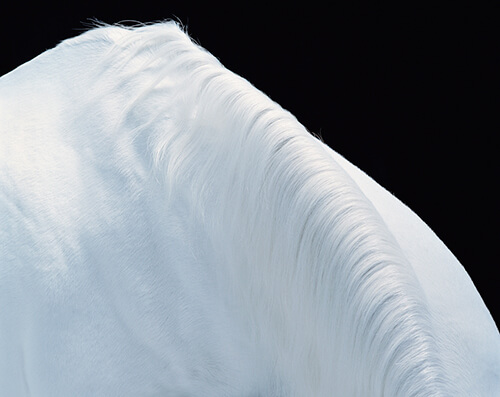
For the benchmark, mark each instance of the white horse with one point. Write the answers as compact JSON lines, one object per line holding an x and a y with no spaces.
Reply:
{"x":167,"y":230}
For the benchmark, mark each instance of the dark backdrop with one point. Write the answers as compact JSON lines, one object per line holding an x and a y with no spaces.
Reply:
{"x":410,"y":95}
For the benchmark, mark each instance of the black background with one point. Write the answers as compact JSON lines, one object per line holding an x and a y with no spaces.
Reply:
{"x":410,"y":95}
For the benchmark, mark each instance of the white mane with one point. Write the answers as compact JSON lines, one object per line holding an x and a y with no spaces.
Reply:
{"x":286,"y":216}
{"x":300,"y":256}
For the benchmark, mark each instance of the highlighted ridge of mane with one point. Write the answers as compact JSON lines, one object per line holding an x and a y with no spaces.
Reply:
{"x":309,"y":228}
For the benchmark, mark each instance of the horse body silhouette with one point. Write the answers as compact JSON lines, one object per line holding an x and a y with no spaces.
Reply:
{"x":166,"y":229}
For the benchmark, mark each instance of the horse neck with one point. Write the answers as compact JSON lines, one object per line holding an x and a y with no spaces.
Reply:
{"x":317,"y":278}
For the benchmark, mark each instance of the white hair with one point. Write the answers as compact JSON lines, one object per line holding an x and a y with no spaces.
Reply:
{"x":301,"y":257}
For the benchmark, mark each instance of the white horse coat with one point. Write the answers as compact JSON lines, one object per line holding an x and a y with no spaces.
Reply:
{"x":168,"y":230}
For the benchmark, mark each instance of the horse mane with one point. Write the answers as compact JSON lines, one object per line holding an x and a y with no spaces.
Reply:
{"x":315,"y":274}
